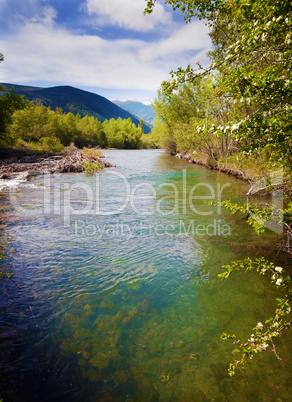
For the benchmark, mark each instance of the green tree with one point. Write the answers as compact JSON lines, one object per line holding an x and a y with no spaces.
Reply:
{"x":32,"y":123}
{"x":9,"y":102}
{"x":91,"y":132}
{"x":186,"y":119}
{"x":252,"y":56}
{"x":141,"y":125}
{"x":122,"y":133}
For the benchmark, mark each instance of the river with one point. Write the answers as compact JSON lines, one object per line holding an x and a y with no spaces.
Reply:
{"x":118,"y":295}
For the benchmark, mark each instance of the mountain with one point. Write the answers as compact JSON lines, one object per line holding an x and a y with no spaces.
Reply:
{"x":76,"y":100}
{"x":141,"y":110}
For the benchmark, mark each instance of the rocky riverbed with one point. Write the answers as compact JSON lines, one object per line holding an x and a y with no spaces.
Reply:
{"x":32,"y":165}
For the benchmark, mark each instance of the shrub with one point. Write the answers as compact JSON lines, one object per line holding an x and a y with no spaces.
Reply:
{"x":92,"y":167}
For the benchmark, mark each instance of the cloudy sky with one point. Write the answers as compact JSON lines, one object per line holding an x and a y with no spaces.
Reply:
{"x":104,"y":46}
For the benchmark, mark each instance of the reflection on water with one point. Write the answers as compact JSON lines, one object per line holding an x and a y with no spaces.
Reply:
{"x":129,"y":306}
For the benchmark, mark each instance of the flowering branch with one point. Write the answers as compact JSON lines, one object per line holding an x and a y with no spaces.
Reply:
{"x":262,"y":334}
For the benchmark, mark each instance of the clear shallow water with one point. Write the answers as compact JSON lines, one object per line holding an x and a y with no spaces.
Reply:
{"x":128,"y":306}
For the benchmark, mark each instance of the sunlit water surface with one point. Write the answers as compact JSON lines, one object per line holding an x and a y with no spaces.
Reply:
{"x":120,"y":300}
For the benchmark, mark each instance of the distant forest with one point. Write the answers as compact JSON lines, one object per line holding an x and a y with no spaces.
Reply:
{"x":32,"y":127}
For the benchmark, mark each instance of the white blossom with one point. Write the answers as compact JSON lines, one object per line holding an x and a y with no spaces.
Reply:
{"x":264,"y":346}
{"x":234,"y":127}
{"x":288,"y":38}
{"x":279,"y":269}
{"x":259,"y":325}
{"x":279,"y":281}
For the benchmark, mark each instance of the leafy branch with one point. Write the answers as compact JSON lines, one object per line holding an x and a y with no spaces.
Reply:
{"x":259,"y":217}
{"x":262,"y":335}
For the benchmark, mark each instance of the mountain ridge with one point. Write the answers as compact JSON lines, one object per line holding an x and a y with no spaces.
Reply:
{"x":141,"y":109}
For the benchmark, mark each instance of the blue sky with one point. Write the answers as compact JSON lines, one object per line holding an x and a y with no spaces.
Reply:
{"x":104,"y":46}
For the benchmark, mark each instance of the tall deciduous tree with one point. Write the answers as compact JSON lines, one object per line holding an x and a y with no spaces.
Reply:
{"x":252,"y":54}
{"x":9,"y":103}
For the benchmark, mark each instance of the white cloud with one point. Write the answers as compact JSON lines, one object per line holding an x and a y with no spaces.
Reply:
{"x":127,"y":14}
{"x":15,"y":13}
{"x":201,"y":57}
{"x":41,"y":52}
{"x":193,"y":36}
{"x":46,"y":15}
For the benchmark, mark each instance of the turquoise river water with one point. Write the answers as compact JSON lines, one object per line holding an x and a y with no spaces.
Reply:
{"x":118,"y":295}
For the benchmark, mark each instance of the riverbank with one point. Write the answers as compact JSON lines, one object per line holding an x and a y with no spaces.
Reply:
{"x":14,"y":168}
{"x":205,"y":161}
{"x":262,"y":177}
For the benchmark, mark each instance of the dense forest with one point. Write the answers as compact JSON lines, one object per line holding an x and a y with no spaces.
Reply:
{"x":35,"y":128}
